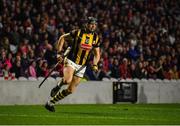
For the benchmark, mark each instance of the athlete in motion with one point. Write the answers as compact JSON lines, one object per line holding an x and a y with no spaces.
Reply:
{"x":83,"y":42}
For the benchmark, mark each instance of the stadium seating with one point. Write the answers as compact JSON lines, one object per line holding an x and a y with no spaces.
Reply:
{"x":158,"y":80}
{"x":151,"y":80}
{"x":105,"y":79}
{"x":51,"y":79}
{"x":40,"y":78}
{"x":32,"y":78}
{"x":138,"y":36}
{"x":22,"y":79}
{"x":1,"y":78}
{"x":58,"y":78}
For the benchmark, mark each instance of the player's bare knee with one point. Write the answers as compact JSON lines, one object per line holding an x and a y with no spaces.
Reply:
{"x":67,"y":79}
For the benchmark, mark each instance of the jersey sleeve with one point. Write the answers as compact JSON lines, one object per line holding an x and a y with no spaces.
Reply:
{"x":71,"y":36}
{"x":97,"y":42}
{"x":73,"y":33}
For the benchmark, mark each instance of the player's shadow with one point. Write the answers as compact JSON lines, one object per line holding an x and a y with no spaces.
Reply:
{"x":142,"y":97}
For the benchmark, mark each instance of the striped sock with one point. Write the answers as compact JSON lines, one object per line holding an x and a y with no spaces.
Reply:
{"x":61,"y":83}
{"x":60,"y":95}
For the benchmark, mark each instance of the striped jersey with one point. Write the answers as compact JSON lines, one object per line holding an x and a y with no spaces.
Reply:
{"x":82,"y":45}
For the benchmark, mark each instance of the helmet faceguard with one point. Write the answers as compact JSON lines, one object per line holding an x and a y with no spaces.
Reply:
{"x":91,"y":24}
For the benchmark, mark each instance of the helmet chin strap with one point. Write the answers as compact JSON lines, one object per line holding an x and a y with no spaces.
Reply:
{"x":88,"y":31}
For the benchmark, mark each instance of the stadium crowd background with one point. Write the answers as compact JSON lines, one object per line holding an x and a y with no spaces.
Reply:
{"x":140,"y":38}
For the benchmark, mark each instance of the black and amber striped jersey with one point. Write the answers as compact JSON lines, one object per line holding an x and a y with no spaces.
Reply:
{"x":82,"y":45}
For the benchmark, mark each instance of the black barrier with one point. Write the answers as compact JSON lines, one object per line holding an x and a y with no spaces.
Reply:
{"x":124,"y":92}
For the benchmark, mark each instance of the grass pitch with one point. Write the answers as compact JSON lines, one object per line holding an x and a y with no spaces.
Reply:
{"x":98,"y":114}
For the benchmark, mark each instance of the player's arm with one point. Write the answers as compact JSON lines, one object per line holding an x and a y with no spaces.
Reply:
{"x":60,"y":42}
{"x":64,"y":38}
{"x":96,"y":50}
{"x":96,"y":59}
{"x":96,"y":56}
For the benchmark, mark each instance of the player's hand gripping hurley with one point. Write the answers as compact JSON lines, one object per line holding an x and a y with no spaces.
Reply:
{"x":59,"y":61}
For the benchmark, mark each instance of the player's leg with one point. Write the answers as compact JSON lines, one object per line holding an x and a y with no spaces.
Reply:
{"x":57,"y":87}
{"x":76,"y":78}
{"x":67,"y":78}
{"x":75,"y":82}
{"x":68,"y":75}
{"x":71,"y":88}
{"x":60,"y":95}
{"x":79,"y":73}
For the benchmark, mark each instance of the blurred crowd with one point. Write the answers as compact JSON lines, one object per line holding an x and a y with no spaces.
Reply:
{"x":140,"y":38}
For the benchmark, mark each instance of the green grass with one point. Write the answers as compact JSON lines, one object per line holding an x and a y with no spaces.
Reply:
{"x":92,"y":114}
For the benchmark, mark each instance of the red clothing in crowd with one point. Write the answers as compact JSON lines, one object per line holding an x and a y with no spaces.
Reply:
{"x":124,"y":72}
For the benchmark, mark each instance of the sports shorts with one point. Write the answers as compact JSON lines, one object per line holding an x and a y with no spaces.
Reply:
{"x":79,"y":69}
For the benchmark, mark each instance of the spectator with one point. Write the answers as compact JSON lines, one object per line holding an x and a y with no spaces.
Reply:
{"x":101,"y":72}
{"x":140,"y":71}
{"x":45,"y":69}
{"x":105,"y":62}
{"x":174,"y":73}
{"x":124,"y":69}
{"x":17,"y":69}
{"x":133,"y":71}
{"x":135,"y":29}
{"x":32,"y":70}
{"x":167,"y":74}
{"x":2,"y":58}
{"x":24,"y":47}
{"x":160,"y":69}
{"x":39,"y":68}
{"x":111,"y":63}
{"x":114,"y":69}
{"x":25,"y":64}
{"x":5,"y":44}
{"x":152,"y":70}
{"x":8,"y":61}
{"x":6,"y":72}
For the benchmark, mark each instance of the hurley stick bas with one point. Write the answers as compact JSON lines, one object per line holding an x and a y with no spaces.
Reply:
{"x":64,"y":56}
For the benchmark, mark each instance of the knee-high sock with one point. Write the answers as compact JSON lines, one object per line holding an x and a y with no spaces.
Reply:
{"x":61,"y":83}
{"x":60,"y":95}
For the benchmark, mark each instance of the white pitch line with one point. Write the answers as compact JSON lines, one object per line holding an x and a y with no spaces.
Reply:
{"x":80,"y":117}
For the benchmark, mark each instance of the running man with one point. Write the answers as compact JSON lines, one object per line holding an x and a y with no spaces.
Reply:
{"x":83,"y":42}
